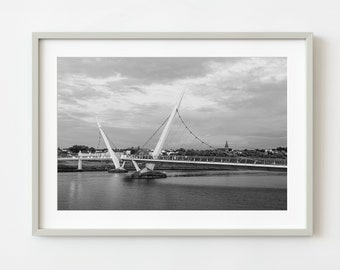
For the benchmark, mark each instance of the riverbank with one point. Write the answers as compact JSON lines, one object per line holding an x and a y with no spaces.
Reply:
{"x":104,"y":165}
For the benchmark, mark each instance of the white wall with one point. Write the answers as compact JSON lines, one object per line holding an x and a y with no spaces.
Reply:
{"x":19,"y":250}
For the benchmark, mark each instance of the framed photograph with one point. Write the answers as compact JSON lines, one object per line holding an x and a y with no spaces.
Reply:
{"x":172,"y":133}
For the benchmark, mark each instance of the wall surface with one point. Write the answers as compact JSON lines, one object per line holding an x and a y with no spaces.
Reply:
{"x":19,"y":250}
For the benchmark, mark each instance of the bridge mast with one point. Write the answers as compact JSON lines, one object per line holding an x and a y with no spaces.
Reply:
{"x":166,"y":129}
{"x":112,"y":154}
{"x":148,"y":171}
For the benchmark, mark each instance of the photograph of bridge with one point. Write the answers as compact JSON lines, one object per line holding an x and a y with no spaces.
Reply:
{"x":172,"y":133}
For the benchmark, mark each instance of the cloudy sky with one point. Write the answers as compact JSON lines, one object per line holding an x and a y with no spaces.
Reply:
{"x":242,"y":100}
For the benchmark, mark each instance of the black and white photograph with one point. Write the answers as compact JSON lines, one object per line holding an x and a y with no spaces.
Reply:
{"x":172,"y":133}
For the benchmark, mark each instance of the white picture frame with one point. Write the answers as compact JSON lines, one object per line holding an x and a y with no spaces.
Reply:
{"x":37,"y":128}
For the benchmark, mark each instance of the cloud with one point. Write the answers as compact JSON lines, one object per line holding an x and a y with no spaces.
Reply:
{"x":239,"y":99}
{"x":140,"y":68}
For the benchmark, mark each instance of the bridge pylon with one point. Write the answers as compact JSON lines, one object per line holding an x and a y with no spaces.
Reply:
{"x":148,"y":171}
{"x":80,"y":162}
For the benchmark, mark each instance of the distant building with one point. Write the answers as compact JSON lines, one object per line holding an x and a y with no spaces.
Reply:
{"x":64,"y":152}
{"x":170,"y":152}
{"x":226,"y":146}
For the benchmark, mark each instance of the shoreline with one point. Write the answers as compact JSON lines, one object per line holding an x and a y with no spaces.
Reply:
{"x":93,"y":165}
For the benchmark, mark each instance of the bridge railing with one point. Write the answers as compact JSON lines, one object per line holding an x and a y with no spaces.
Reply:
{"x":237,"y":160}
{"x":86,"y":156}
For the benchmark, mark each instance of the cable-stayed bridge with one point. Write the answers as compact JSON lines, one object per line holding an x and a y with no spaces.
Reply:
{"x":156,"y":157}
{"x":200,"y":161}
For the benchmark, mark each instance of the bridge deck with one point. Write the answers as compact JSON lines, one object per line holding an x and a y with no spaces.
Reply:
{"x":84,"y":158}
{"x":221,"y":161}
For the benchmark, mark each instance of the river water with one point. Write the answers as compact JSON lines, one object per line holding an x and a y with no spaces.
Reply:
{"x":182,"y":190}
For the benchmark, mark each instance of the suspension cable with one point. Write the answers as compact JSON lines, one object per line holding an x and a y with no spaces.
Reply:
{"x":99,"y":137}
{"x":115,"y":147}
{"x":193,"y":134}
{"x":155,"y":131}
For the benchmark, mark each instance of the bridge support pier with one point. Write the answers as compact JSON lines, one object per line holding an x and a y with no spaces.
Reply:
{"x":80,"y":164}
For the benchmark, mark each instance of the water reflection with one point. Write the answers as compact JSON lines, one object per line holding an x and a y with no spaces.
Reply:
{"x":194,"y":190}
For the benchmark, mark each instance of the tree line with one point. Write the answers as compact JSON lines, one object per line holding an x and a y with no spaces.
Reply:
{"x":279,"y":152}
